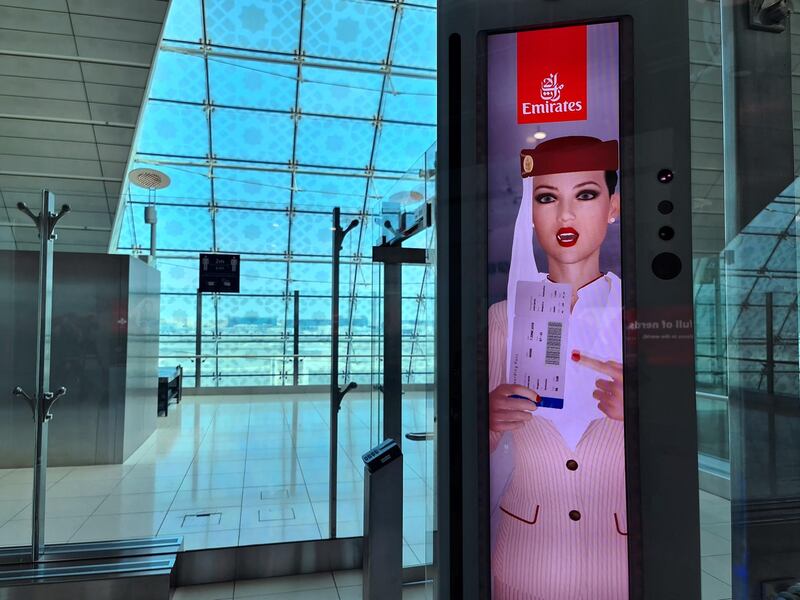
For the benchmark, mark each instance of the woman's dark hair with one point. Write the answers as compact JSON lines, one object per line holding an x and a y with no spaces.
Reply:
{"x":611,"y":181}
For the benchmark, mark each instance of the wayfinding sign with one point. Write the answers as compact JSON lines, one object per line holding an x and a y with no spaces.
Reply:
{"x":219,"y":273}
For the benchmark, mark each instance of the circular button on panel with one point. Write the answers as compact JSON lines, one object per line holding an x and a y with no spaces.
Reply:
{"x":574,"y":515}
{"x":572,"y":465}
{"x":666,"y":233}
{"x":665,"y":207}
{"x":667,"y":265}
{"x":665,"y":175}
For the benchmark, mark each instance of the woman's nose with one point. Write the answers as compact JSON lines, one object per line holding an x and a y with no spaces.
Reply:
{"x":565,"y":213}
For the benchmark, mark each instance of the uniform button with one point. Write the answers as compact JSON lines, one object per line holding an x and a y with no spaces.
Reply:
{"x":574,"y":515}
{"x":572,"y":465}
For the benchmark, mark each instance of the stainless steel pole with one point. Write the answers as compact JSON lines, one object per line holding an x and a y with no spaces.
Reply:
{"x":296,"y":345}
{"x":43,"y":338}
{"x":334,"y":412}
{"x":198,"y":341}
{"x":337,"y":393}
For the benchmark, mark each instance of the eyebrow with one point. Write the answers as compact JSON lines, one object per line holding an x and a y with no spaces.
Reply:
{"x":546,"y":187}
{"x":586,"y":183}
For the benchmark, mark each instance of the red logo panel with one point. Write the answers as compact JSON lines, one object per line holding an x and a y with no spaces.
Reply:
{"x":551,"y":75}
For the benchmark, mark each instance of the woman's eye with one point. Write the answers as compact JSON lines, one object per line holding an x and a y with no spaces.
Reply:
{"x":545,"y":198}
{"x":587,"y":195}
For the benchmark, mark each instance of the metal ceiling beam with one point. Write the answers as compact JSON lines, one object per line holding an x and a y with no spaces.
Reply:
{"x":266,"y":168}
{"x":66,"y":120}
{"x":396,"y":19}
{"x":83,"y":59}
{"x":312,"y":62}
{"x":279,"y":111}
{"x":60,"y":176}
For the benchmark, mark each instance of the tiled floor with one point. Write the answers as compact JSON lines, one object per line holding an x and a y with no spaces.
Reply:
{"x":226,"y":471}
{"x":339,"y":585}
{"x":715,"y":547}
{"x":256,"y":469}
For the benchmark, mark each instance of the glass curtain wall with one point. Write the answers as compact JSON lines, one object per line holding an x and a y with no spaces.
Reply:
{"x":260,"y":118}
{"x":266,"y":116}
{"x":745,"y":206}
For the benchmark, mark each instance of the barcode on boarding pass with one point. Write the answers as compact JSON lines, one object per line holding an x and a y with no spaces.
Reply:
{"x":553,"y":352}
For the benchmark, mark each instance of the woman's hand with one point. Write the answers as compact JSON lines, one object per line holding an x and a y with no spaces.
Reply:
{"x":607,"y":393}
{"x":506,"y":413}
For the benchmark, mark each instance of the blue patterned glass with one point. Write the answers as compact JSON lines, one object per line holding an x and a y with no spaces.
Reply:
{"x":348,"y":29}
{"x":273,"y":25}
{"x":252,"y":135}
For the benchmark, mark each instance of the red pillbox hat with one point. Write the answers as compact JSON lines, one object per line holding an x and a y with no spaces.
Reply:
{"x":570,"y":154}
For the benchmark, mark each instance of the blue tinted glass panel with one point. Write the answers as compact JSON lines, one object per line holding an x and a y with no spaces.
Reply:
{"x":262,"y":277}
{"x":184,"y":21}
{"x":272,"y":25}
{"x":251,"y":188}
{"x":178,"y":314}
{"x":400,"y":146}
{"x":252,"y":231}
{"x":311,"y":279}
{"x":173,"y":129}
{"x":252,"y":84}
{"x":334,"y":142}
{"x":347,"y":29}
{"x":411,"y":99}
{"x":179,"y":77}
{"x":416,"y":38}
{"x":322,"y":193}
{"x":184,"y":228}
{"x":246,"y":316}
{"x":251,"y":135}
{"x":335,"y":92}
{"x":178,"y":274}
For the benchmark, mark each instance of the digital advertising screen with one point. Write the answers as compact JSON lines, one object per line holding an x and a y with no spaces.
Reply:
{"x":556,"y":426}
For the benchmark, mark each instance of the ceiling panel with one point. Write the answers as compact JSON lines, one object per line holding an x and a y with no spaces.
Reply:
{"x":115,"y":94}
{"x":48,"y":148}
{"x":60,"y":5}
{"x":42,"y":88}
{"x":43,"y":21}
{"x":117,"y":29}
{"x":39,"y":43}
{"x":40,"y":97}
{"x":121,"y":136}
{"x":114,"y":74}
{"x":43,"y":68}
{"x":43,"y":107}
{"x":114,"y":50}
{"x":141,"y":10}
{"x":45,"y":130}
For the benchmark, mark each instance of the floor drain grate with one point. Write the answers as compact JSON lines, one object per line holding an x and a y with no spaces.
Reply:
{"x":273,"y":494}
{"x":202,"y":519}
{"x":276,"y":513}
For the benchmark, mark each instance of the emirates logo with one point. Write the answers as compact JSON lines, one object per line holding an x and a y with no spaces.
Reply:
{"x":550,"y":92}
{"x":550,"y":89}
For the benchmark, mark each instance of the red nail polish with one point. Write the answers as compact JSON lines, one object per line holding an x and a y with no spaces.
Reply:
{"x":576,"y":356}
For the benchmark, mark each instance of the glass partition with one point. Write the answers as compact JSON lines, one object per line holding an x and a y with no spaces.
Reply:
{"x":744,"y":169}
{"x":403,"y":204}
{"x":242,"y":149}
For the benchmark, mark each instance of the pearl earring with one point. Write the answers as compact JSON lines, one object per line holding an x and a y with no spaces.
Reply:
{"x":612,"y":220}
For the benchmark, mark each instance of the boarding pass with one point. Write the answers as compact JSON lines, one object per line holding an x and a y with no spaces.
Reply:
{"x":539,"y":339}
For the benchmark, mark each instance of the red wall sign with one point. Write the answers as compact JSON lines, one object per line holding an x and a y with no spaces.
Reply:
{"x":551,"y":75}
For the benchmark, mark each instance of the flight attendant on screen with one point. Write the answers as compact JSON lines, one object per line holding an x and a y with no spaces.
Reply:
{"x":561,"y":521}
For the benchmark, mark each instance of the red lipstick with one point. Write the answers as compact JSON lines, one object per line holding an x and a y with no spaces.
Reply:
{"x":567,"y":237}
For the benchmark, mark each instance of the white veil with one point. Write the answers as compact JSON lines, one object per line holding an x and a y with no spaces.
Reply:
{"x":523,"y":263}
{"x":578,"y":412}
